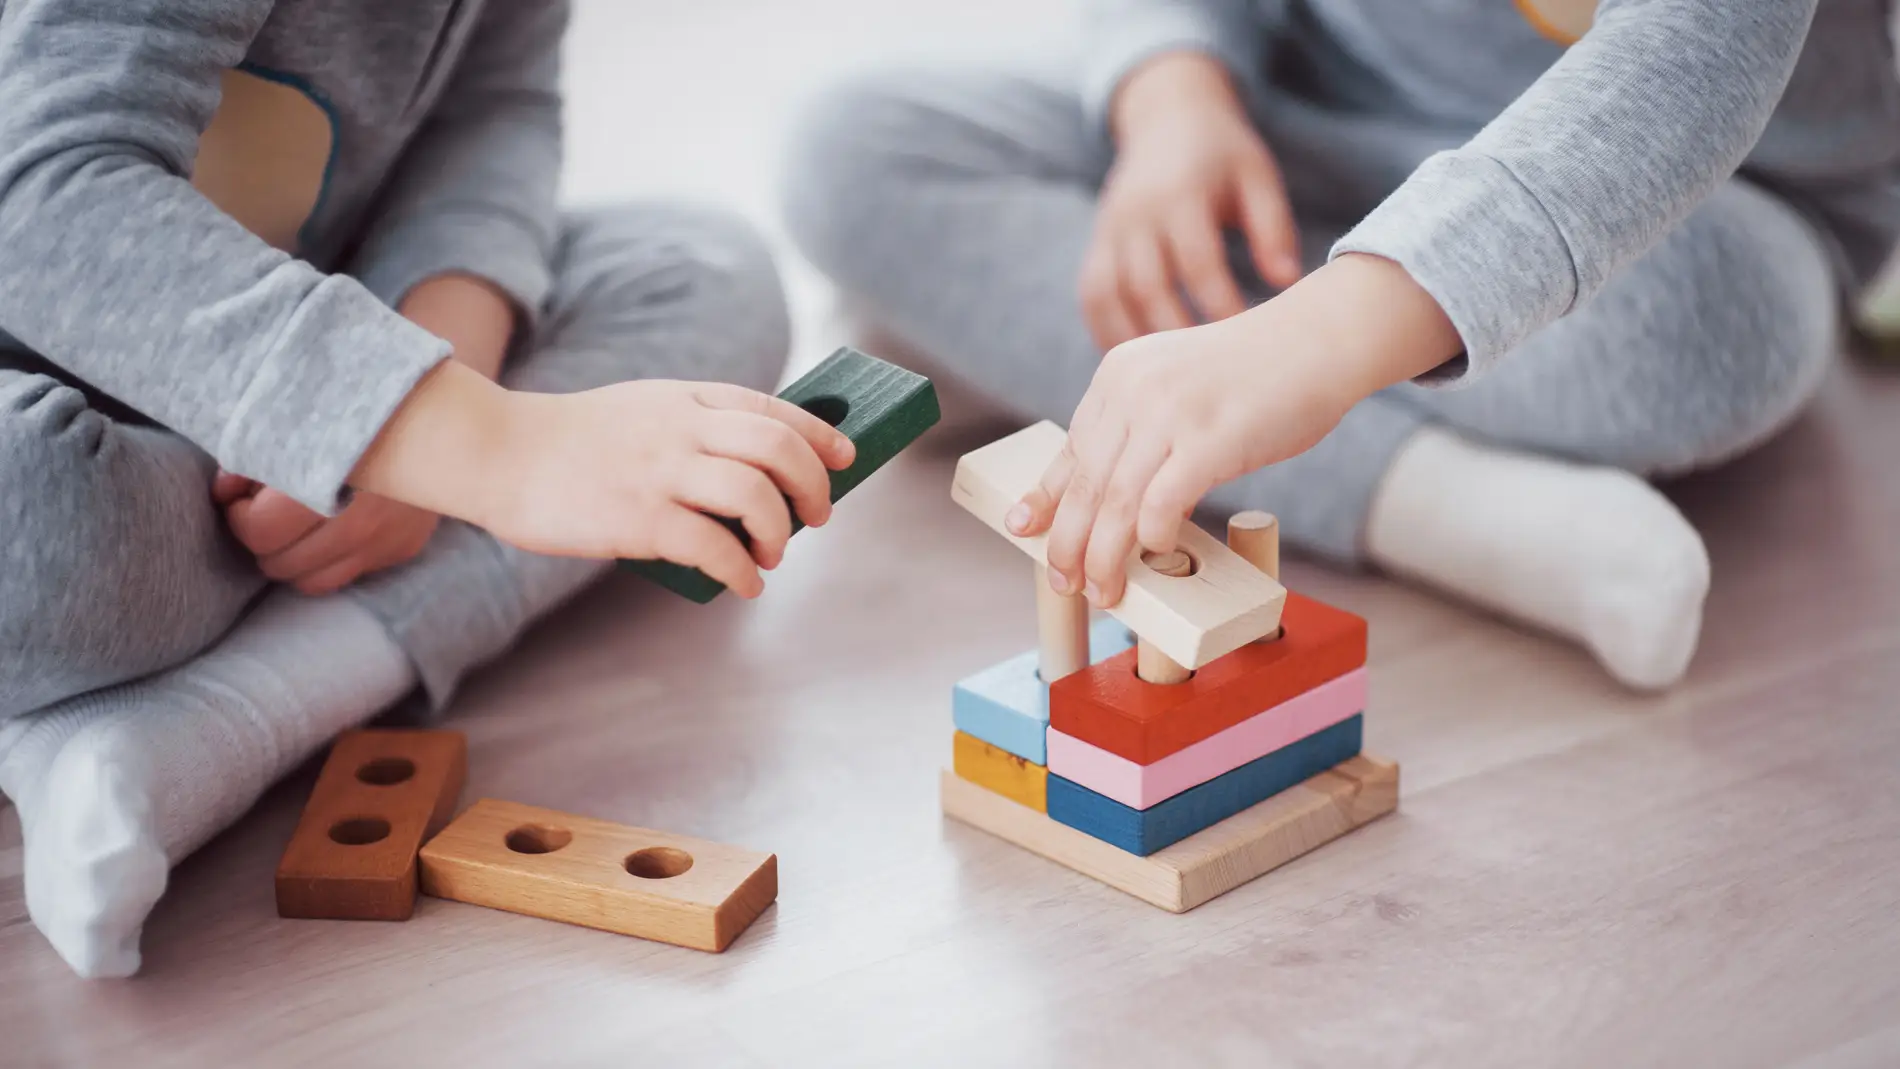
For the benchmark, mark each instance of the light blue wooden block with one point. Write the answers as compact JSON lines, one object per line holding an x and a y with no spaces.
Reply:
{"x":1006,"y":706}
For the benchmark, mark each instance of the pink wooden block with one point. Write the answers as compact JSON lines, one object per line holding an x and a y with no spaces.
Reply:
{"x":1140,"y":786}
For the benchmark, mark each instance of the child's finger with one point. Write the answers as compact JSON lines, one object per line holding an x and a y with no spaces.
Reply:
{"x":1101,"y":294}
{"x":269,"y":522}
{"x":226,"y":487}
{"x":738,"y":491}
{"x":1031,"y":516}
{"x":1170,"y":496}
{"x":333,"y":577}
{"x":1112,"y":538}
{"x":1267,"y":219}
{"x":693,"y":539}
{"x":780,"y":452}
{"x":329,"y":543}
{"x":1149,"y":289}
{"x":832,"y":447}
{"x":1200,"y":261}
{"x":1096,"y":457}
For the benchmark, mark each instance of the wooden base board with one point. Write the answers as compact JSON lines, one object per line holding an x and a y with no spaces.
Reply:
{"x":617,"y":878}
{"x":1209,"y":863}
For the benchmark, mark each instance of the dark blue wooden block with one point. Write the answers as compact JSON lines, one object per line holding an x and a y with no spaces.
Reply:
{"x":1143,"y":831}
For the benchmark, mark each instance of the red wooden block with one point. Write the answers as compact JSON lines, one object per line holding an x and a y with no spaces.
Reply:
{"x":380,"y":795}
{"x":1109,"y":706}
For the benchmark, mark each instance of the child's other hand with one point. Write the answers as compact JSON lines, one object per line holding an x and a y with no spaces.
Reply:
{"x":315,"y":554}
{"x":1188,"y":165}
{"x":638,"y":469}
{"x":1170,"y":416}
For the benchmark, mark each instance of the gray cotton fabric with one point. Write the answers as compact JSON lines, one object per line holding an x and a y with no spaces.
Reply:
{"x":149,"y":337}
{"x":281,"y":364}
{"x":116,"y":563}
{"x":1642,"y":237}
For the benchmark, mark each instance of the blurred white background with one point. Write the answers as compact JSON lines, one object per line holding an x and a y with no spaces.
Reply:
{"x":694,"y":98}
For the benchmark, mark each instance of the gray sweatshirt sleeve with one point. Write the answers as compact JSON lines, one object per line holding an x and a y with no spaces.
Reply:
{"x":475,"y":191}
{"x":115,"y":269}
{"x":1121,"y":35}
{"x":1639,"y":121}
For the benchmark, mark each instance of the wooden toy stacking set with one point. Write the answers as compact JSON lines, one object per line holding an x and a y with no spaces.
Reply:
{"x":1226,"y":743}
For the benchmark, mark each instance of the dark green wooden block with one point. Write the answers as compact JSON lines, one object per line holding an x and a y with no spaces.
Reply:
{"x":881,"y":407}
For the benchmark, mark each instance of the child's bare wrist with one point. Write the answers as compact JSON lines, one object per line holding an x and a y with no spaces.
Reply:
{"x":1364,"y":325}
{"x":1168,"y":88}
{"x":439,"y":449}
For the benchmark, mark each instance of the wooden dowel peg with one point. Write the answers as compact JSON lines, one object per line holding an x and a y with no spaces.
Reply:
{"x":1062,"y":630}
{"x":1255,"y":537}
{"x":1151,"y":665}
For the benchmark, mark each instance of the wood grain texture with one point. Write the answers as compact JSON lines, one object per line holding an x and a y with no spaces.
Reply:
{"x":1108,"y":706}
{"x":994,"y":769}
{"x":597,"y":874}
{"x":1140,"y":786}
{"x":1143,"y":831}
{"x":1225,"y":604}
{"x":1255,"y":537}
{"x":1201,"y":867}
{"x":1007,"y":704}
{"x":1152,"y":665}
{"x":1062,"y":630}
{"x":380,"y":795}
{"x":881,"y":407}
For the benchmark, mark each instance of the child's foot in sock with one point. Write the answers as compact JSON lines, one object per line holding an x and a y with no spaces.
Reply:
{"x":116,"y":786}
{"x":1592,"y":553}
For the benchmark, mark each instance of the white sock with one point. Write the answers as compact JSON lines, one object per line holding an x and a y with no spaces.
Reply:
{"x":1594,"y":554}
{"x":116,"y":786}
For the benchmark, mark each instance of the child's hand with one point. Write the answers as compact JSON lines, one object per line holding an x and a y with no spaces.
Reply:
{"x":319,"y":555}
{"x":1188,"y":165}
{"x":1172,"y":415}
{"x":633,"y":470}
{"x":637,"y":470}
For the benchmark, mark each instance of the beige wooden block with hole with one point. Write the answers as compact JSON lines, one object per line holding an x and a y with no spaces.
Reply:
{"x":594,"y":873}
{"x":1225,"y":604}
{"x":1210,"y":862}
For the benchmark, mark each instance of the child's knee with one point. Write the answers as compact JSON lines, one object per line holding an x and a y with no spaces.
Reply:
{"x":90,"y":591}
{"x":849,"y":143}
{"x":1758,"y":329}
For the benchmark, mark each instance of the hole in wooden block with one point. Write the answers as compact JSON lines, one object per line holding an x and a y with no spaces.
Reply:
{"x":386,"y":771}
{"x":359,"y":831}
{"x":1176,"y":564}
{"x":658,"y":862}
{"x":831,"y":409}
{"x":538,"y":839}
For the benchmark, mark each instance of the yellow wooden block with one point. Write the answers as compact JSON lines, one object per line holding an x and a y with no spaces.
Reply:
{"x":1016,"y":778}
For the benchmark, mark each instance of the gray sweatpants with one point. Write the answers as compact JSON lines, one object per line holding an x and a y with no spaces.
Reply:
{"x":115,"y":563}
{"x":957,"y":206}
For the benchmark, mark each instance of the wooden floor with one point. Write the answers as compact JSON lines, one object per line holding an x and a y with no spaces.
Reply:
{"x":1577,"y":876}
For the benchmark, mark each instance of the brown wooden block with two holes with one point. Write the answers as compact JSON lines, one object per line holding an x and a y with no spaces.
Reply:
{"x":380,"y":795}
{"x":634,"y":881}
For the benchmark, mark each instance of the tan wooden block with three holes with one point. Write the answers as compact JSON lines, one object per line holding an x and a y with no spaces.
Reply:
{"x":594,"y":873}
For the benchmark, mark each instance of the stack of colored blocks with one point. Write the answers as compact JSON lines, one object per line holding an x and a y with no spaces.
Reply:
{"x":1142,"y":766}
{"x":1182,"y":790}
